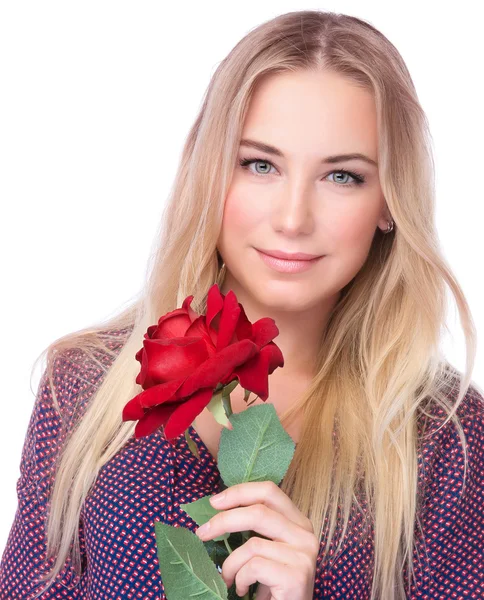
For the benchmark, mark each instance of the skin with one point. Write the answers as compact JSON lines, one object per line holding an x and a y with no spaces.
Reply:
{"x":299,"y":206}
{"x":296,"y":204}
{"x":285,"y":565}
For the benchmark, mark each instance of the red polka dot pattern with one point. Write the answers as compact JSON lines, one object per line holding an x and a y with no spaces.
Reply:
{"x":148,"y":479}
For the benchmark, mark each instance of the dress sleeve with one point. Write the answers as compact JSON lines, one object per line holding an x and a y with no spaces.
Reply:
{"x":449,"y":546}
{"x":24,"y":557}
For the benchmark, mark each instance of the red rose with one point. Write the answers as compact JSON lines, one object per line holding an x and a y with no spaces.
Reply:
{"x":186,"y":355}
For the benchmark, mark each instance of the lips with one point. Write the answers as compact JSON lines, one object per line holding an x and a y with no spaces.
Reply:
{"x":289,"y":255}
{"x":289,"y":266}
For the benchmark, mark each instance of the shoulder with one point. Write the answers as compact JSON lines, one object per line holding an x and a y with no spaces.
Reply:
{"x":63,"y":393}
{"x":76,"y":372}
{"x":449,"y":541}
{"x":447,"y":465}
{"x":469,"y":411}
{"x":471,"y":415}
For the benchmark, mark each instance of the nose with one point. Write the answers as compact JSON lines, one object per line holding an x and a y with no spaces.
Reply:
{"x":293,"y":212}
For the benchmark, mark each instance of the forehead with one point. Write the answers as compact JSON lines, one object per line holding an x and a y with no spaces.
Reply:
{"x":306,"y":112}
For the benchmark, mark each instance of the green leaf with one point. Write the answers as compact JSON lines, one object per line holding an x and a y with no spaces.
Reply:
{"x":216,"y":407}
{"x":185,"y":567}
{"x":247,"y":394}
{"x":230,"y":387}
{"x":257,"y":448}
{"x":218,"y":553}
{"x":217,"y":550}
{"x":202,"y":511}
{"x":232,"y":593}
{"x":191,"y":444}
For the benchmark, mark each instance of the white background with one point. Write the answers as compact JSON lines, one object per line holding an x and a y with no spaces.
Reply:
{"x":96,"y":99}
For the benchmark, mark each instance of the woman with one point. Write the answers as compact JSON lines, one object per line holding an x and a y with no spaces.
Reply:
{"x":310,"y":140}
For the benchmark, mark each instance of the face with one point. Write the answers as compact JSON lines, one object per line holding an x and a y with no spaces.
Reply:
{"x":298,"y":201}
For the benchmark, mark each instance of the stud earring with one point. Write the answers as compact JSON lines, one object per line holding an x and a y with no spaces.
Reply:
{"x":389,"y":227}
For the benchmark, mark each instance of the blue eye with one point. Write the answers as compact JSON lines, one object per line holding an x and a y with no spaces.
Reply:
{"x":244,"y":162}
{"x":358,"y":178}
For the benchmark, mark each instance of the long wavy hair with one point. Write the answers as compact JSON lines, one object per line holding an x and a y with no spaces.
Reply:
{"x":380,"y":363}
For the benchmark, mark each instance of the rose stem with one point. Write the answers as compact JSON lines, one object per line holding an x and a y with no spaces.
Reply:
{"x":226,"y":404}
{"x":228,"y":546}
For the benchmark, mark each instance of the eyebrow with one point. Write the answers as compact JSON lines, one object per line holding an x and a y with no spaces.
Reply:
{"x":329,"y":159}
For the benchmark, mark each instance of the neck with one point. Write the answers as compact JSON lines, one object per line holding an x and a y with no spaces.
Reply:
{"x":300,"y":328}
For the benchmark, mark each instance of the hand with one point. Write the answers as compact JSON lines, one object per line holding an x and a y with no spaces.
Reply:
{"x":285,"y":565}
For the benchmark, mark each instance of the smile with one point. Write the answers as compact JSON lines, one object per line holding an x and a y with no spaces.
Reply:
{"x":288,"y":266}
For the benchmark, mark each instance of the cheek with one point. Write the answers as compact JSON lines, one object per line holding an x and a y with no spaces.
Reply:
{"x":240,"y":215}
{"x":353,"y":231}
{"x":351,"y":236}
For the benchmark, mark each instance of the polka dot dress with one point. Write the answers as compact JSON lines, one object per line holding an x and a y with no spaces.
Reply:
{"x":148,"y":479}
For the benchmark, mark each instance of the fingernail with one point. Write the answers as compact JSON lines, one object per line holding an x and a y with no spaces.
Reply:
{"x":218,"y":497}
{"x":204,"y":528}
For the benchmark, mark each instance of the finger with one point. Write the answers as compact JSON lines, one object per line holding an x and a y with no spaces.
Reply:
{"x":264,"y":492}
{"x":263,"y":520}
{"x":263,"y":592}
{"x":283,"y":581}
{"x":276,"y":551}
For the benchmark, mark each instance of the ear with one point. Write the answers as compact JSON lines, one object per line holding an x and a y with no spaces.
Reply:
{"x":385,"y":218}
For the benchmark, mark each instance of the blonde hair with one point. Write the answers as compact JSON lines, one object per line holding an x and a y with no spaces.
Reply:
{"x":380,"y":364}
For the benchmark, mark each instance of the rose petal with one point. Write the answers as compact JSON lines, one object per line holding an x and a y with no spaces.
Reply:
{"x":141,"y":378}
{"x":133,"y":410}
{"x":186,"y":306}
{"x":199,"y":329}
{"x":215,"y":303}
{"x":244,"y":326}
{"x":150,"y":331}
{"x":214,"y":369}
{"x":172,"y":359}
{"x":154,"y":418}
{"x":159,"y":394}
{"x":264,"y":331}
{"x":276,"y":359}
{"x":253,"y":374}
{"x":186,"y":355}
{"x":173,"y":325}
{"x":185,"y":413}
{"x":228,"y":321}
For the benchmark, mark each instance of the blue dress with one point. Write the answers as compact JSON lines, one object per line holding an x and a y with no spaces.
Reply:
{"x":148,"y":479}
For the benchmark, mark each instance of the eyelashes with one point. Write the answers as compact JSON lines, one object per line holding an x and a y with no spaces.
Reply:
{"x":358,"y":178}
